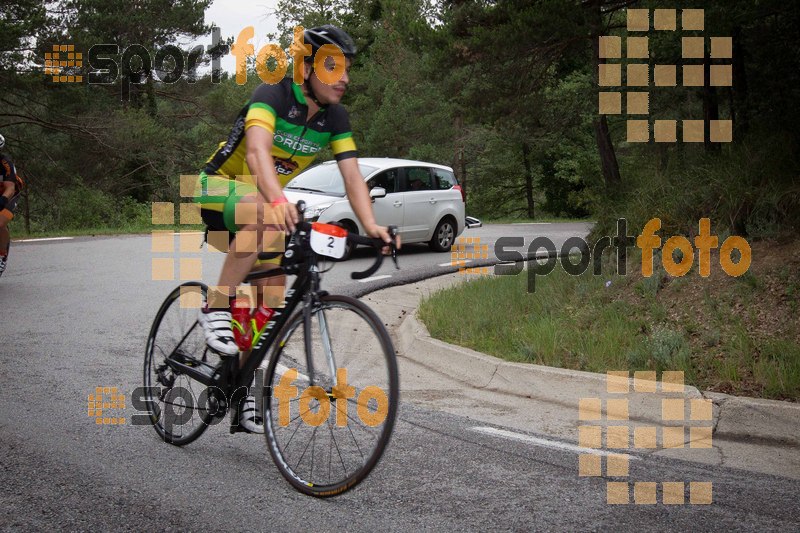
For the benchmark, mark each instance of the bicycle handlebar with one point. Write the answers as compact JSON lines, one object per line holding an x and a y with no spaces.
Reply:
{"x":375,"y":243}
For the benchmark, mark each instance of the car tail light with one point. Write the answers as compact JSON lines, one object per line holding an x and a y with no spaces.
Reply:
{"x":459,"y":189}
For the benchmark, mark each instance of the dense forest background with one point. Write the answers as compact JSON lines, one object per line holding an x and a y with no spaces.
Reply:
{"x":505,"y":92}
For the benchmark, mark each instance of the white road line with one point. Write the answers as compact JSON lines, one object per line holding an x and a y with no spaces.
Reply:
{"x":546,"y":443}
{"x":451,"y":264}
{"x":47,"y":239}
{"x":281,"y":369}
{"x":531,"y":223}
{"x":375,"y":278}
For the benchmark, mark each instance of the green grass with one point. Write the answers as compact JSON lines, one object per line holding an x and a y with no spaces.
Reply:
{"x":779,"y":366}
{"x":580,"y":323}
{"x":540,"y":327}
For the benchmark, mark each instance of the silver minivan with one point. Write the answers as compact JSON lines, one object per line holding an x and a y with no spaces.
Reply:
{"x":424,"y":200}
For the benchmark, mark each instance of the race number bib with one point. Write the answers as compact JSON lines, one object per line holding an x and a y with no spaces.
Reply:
{"x":328,"y":240}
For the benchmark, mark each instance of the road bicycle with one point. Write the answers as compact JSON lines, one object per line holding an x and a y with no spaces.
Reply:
{"x":325,"y":371}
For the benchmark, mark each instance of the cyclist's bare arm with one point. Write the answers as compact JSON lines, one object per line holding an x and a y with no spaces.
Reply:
{"x":259,"y":160}
{"x":358,"y":193}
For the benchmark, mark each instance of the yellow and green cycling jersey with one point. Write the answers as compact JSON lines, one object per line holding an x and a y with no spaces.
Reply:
{"x":282,"y":110}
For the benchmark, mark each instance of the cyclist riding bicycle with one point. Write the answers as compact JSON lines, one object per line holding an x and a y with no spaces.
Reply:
{"x":276,"y":135}
{"x":9,"y":194}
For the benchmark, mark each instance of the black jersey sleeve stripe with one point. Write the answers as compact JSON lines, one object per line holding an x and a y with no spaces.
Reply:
{"x":346,"y":155}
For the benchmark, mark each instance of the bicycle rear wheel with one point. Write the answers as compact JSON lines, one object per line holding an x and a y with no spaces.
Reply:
{"x":177,"y":404}
{"x":325,"y":437}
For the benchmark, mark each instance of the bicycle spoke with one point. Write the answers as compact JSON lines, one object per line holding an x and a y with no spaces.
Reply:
{"x":360,"y":423}
{"x":355,"y":441}
{"x":313,"y":441}
{"x":330,"y":449}
{"x":338,"y":451}
{"x":306,"y":448}
{"x":298,"y":425}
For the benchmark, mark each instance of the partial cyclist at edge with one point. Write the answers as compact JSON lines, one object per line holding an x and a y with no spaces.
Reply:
{"x":276,"y":135}
{"x":9,"y":195}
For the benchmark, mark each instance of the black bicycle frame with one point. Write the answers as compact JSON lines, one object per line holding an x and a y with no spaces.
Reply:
{"x":227,"y":378}
{"x":233,"y":381}
{"x":232,"y":378}
{"x":294,"y":296}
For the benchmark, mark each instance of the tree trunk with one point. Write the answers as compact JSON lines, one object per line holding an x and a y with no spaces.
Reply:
{"x":608,"y":157}
{"x":528,"y":179}
{"x":739,"y":108}
{"x":152,"y":108}
{"x":605,"y":146}
{"x":27,"y":209}
{"x":459,"y":164}
{"x":710,"y":105}
{"x":463,"y":165}
{"x":663,"y":156}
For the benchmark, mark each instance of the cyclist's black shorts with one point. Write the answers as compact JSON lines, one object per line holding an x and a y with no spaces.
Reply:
{"x":214,"y":221}
{"x":12,"y":203}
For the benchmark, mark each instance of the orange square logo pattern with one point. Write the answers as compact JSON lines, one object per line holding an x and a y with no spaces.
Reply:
{"x":466,"y":250}
{"x":62,"y":62}
{"x":640,"y":74}
{"x":103,"y":400}
{"x":605,"y":433}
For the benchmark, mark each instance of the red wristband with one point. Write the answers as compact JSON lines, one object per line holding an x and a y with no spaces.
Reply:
{"x":279,"y":201}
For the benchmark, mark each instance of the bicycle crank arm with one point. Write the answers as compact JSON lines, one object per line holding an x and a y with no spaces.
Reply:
{"x":204,"y":374}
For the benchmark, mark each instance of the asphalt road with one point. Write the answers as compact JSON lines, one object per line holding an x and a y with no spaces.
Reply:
{"x":76,"y":315}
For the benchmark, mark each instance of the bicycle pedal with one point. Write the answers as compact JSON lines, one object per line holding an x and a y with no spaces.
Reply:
{"x":218,"y":406}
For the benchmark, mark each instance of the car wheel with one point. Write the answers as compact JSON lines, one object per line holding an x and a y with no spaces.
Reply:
{"x":443,"y":236}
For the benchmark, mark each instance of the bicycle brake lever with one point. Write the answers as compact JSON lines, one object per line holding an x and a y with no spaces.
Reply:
{"x":393,"y":245}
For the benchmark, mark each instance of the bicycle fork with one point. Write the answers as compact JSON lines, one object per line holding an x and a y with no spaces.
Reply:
{"x":311,"y":302}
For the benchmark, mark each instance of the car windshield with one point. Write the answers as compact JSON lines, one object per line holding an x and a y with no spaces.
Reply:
{"x":324,"y":179}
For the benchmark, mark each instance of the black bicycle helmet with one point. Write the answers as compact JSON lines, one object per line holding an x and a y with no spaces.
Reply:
{"x":322,"y":35}
{"x":329,"y":34}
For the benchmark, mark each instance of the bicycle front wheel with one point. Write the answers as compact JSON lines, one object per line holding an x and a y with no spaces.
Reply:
{"x":330,"y":397}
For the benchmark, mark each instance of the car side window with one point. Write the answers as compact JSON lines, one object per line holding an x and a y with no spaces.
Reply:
{"x":444,"y":179}
{"x":418,"y":179}
{"x":387,"y":180}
